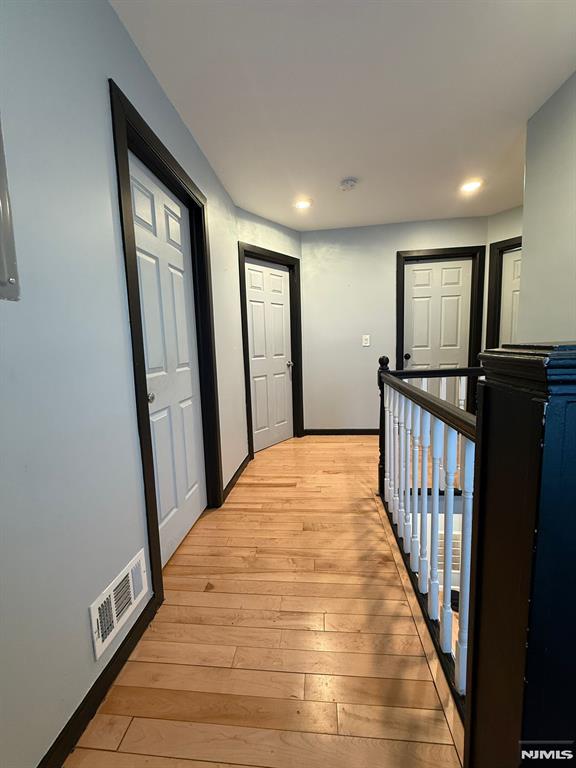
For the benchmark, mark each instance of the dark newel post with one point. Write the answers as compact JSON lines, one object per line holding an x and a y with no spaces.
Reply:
{"x":522,"y":652}
{"x":383,"y":361}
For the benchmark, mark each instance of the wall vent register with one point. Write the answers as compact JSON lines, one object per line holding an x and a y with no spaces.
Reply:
{"x":112,"y":608}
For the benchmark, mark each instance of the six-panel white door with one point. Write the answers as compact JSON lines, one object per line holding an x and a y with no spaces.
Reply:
{"x":268,"y":310}
{"x":167,"y":304}
{"x":437,"y":298}
{"x":511,"y":270}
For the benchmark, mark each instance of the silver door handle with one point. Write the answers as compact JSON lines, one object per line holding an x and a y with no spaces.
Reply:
{"x":289,"y":363}
{"x":151,"y":397}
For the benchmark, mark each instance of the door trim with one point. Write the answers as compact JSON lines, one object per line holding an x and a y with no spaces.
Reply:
{"x":235,"y":477}
{"x":131,"y":133}
{"x":246,"y":251}
{"x":478,"y":254}
{"x":497,"y":251}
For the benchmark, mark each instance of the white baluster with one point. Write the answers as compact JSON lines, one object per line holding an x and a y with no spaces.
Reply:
{"x":396,"y":451}
{"x":390,"y":452}
{"x":443,"y":394}
{"x":407,"y":532}
{"x":424,"y":384}
{"x":402,"y":463}
{"x":425,"y":445}
{"x":443,"y":388}
{"x":414,"y":543}
{"x":446,"y":609}
{"x":434,"y":585}
{"x":462,"y":386}
{"x":386,"y":396}
{"x":466,"y":547}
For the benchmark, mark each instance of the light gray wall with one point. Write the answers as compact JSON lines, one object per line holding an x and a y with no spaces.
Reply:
{"x":548,"y":285}
{"x":349,"y":289}
{"x":255,"y":230}
{"x":72,"y":507}
{"x":504,"y":225}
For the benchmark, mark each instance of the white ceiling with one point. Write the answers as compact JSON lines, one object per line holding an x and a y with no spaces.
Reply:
{"x":286,"y":97}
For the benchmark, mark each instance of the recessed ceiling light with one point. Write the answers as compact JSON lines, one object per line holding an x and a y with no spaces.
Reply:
{"x":471,"y":186}
{"x":303,"y":203}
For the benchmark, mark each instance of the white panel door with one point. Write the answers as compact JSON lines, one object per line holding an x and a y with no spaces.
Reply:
{"x":511,"y":272}
{"x":268,"y":310}
{"x":437,"y":298}
{"x":167,"y":304}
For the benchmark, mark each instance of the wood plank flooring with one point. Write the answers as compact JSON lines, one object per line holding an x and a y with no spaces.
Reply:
{"x":287,"y":638}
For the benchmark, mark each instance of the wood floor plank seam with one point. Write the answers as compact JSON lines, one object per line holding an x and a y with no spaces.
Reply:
{"x":341,"y":577}
{"x":105,"y":731}
{"x":126,"y":731}
{"x":395,"y":606}
{"x":342,"y":654}
{"x":390,"y":592}
{"x":88,"y":758}
{"x":335,"y":732}
{"x":289,"y":640}
{"x":326,"y":615}
{"x":192,"y":706}
{"x":188,"y":677}
{"x":277,"y":749}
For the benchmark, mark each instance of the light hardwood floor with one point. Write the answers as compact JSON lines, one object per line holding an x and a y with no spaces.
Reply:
{"x":286,"y":639}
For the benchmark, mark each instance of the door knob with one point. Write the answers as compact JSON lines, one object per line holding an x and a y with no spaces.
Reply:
{"x":290,"y":364}
{"x":151,"y":397}
{"x":407,"y":356}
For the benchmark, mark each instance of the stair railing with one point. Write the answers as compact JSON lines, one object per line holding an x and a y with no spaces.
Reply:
{"x":426,"y":481}
{"x":484,"y":511}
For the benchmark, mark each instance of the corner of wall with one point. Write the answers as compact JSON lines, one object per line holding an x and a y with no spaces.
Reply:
{"x":264,"y":233}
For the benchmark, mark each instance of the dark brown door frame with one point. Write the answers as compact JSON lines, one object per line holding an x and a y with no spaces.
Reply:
{"x":497,"y":251}
{"x":131,"y":133}
{"x":246,"y":251}
{"x":477,"y":253}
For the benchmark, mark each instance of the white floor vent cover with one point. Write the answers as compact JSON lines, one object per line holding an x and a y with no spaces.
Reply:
{"x":110,"y":611}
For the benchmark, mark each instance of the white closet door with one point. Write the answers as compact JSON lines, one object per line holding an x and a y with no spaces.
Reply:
{"x":511,"y":272}
{"x":167,"y":304}
{"x":437,"y":298}
{"x":268,"y":310}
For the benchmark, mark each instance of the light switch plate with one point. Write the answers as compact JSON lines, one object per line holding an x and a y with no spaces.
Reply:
{"x":366,"y":340}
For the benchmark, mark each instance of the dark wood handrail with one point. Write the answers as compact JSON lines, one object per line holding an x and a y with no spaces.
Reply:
{"x":437,"y":373}
{"x":462,"y":421}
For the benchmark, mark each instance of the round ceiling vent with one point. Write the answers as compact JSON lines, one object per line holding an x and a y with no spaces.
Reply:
{"x":348,"y":183}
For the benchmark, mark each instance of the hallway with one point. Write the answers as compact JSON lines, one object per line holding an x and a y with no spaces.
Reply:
{"x":286,"y":639}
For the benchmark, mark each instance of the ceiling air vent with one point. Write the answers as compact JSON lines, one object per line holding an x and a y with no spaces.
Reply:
{"x":110,"y":611}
